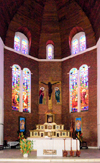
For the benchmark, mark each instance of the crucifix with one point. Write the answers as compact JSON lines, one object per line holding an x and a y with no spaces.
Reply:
{"x":49,"y":84}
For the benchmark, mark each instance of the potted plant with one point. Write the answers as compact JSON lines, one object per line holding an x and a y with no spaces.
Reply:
{"x":26,"y":147}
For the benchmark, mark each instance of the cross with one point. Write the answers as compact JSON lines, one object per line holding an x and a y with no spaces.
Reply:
{"x":50,"y":83}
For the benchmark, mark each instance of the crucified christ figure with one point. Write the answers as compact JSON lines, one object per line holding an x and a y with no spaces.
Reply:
{"x":49,"y":88}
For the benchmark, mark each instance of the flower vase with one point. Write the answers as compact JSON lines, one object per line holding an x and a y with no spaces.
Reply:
{"x":25,"y":155}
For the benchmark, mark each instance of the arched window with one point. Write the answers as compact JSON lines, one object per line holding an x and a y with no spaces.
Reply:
{"x":16,"y":75}
{"x":75,"y":46}
{"x":78,"y":88}
{"x":21,"y":43}
{"x":73,"y":81}
{"x":17,"y":43}
{"x":49,"y":50}
{"x":78,"y":43}
{"x":82,"y":43}
{"x":84,"y":87}
{"x":26,"y":90}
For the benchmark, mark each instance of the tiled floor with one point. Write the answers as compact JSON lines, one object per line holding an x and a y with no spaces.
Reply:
{"x":14,"y":155}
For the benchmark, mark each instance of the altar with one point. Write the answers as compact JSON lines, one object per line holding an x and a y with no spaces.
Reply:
{"x":54,"y":146}
{"x":52,"y":139}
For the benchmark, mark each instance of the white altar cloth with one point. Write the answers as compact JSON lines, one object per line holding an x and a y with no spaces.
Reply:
{"x":57,"y":144}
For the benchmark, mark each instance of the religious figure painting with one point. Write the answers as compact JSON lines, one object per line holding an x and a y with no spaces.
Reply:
{"x":15,"y":100}
{"x":25,"y":99}
{"x":42,"y":96}
{"x":22,"y":124}
{"x":78,"y":124}
{"x":49,"y":118}
{"x":58,"y":95}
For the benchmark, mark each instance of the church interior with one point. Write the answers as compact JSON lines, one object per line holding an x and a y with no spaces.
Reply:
{"x":32,"y":69}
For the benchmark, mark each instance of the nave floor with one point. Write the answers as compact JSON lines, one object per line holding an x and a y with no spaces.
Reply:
{"x":14,"y":155}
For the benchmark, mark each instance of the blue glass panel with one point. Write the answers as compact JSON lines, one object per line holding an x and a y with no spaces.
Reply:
{"x":24,"y":46}
{"x":50,"y":51}
{"x":82,"y":43}
{"x":17,"y":43}
{"x":75,"y":46}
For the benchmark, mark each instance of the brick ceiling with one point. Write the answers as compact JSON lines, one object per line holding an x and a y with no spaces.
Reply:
{"x":9,"y":8}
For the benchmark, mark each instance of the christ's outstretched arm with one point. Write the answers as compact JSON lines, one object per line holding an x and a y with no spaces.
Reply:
{"x":44,"y":83}
{"x":55,"y":83}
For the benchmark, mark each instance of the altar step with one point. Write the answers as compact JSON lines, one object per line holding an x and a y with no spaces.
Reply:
{"x":15,"y":156}
{"x":67,"y":160}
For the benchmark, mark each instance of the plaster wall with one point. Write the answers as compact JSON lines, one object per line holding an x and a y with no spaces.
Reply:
{"x":1,"y":90}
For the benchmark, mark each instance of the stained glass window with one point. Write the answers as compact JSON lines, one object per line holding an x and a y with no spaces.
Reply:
{"x":84,"y":87}
{"x":49,"y":51}
{"x":26,"y":89}
{"x":17,"y":43}
{"x":75,"y":46}
{"x":24,"y":46}
{"x":16,"y":74}
{"x":73,"y":81}
{"x":82,"y":43}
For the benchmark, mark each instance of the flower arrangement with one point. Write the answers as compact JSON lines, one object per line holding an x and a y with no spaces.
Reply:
{"x":79,"y":136}
{"x":26,"y":146}
{"x":21,"y":136}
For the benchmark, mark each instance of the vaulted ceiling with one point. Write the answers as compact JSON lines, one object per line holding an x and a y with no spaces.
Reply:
{"x":11,"y":10}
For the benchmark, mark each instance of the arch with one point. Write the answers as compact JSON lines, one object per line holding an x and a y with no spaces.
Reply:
{"x":16,"y":76}
{"x":27,"y":33}
{"x":78,"y":43}
{"x":49,"y":42}
{"x":73,"y":89}
{"x":21,"y":43}
{"x":74,"y":31}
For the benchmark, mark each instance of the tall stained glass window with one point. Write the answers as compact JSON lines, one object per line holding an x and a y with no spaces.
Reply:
{"x":50,"y":51}
{"x":17,"y":43}
{"x":84,"y":87}
{"x":73,"y":81}
{"x":82,"y":43}
{"x":75,"y":46}
{"x":26,"y":90}
{"x":24,"y":46}
{"x":16,"y":74}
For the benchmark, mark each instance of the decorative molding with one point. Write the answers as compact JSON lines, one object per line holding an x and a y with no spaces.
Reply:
{"x":53,"y":60}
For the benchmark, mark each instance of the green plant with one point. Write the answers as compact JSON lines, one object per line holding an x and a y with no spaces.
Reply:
{"x":79,"y":136}
{"x":21,"y":136}
{"x":26,"y":146}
